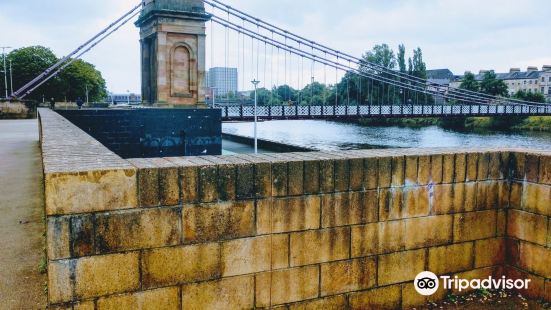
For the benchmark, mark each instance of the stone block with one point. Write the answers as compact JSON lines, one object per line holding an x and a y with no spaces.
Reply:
{"x":411,"y":175}
{"x":177,"y":265}
{"x":413,"y":300}
{"x":518,"y":165}
{"x":327,"y":176}
{"x":342,"y":175}
{"x":208,"y":183}
{"x":189,"y":184}
{"x":227,"y":175}
{"x":512,"y":251}
{"x":505,"y":168}
{"x":164,"y":298}
{"x":107,"y":274}
{"x":347,"y":276}
{"x":218,"y":221}
{"x":228,"y":293}
{"x":384,"y":172}
{"x":90,"y":191}
{"x":286,"y":286}
{"x":60,"y":286}
{"x":501,"y":223}
{"x":483,"y":166}
{"x":58,"y":237}
{"x":460,"y":172}
{"x":371,"y":173}
{"x":487,"y":195}
{"x":527,"y":226}
{"x":288,"y":214}
{"x":415,"y":202}
{"x":319,"y":246}
{"x":536,"y":286}
{"x":424,"y":170}
{"x":436,"y":169}
{"x":169,"y":188}
{"x":532,"y":168}
{"x":336,"y":302}
{"x":311,"y":177}
{"x":356,"y":174}
{"x":296,"y":178}
{"x":454,"y":198}
{"x":251,"y":255}
{"x":489,"y":252}
{"x":349,"y":208}
{"x":451,"y":258}
{"x":474,"y":225}
{"x":536,"y":198}
{"x":472,"y":167}
{"x":148,"y":182}
{"x":279,"y":179}
{"x":400,"y":266}
{"x":545,"y":170}
{"x":515,"y":197}
{"x":138,"y":229}
{"x":390,"y":204}
{"x":448,"y":168}
{"x":481,"y":273}
{"x":535,"y":259}
{"x":389,"y":297}
{"x":398,"y":171}
{"x":82,"y":235}
{"x":494,"y":166}
{"x":428,"y":231}
{"x":245,"y":181}
{"x":377,"y":238}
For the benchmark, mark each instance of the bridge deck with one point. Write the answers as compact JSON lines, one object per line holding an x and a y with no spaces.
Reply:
{"x":246,"y":112}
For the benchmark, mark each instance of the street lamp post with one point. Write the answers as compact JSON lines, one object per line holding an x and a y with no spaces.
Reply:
{"x":5,"y":69}
{"x":11,"y":79}
{"x":255,"y":83}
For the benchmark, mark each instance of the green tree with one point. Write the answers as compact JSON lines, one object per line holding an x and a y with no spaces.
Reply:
{"x":263,"y":96}
{"x":80,"y":76}
{"x":382,"y":55}
{"x":71,"y":83}
{"x":529,"y":96}
{"x":419,"y":68}
{"x":402,"y":58}
{"x":469,"y":82}
{"x":492,"y":86}
{"x":28,"y":63}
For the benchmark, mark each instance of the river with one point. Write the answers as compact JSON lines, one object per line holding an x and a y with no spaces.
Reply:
{"x":329,"y":136}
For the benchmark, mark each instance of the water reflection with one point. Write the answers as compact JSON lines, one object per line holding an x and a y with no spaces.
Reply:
{"x":327,"y":135}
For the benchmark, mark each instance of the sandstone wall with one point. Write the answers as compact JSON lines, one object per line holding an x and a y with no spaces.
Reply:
{"x":295,"y":231}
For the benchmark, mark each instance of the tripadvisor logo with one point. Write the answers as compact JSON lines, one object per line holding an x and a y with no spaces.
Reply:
{"x":426,"y":283}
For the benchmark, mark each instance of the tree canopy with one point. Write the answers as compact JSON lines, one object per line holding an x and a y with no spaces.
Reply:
{"x":469,"y":82}
{"x":71,"y":83}
{"x":492,"y":86}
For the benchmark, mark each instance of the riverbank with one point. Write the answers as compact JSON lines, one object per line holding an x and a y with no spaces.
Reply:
{"x":532,"y":123}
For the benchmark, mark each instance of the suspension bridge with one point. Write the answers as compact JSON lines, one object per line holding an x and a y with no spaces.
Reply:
{"x":178,"y":38}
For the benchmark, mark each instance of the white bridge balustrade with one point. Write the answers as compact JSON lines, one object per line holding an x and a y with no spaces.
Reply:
{"x":246,"y":112}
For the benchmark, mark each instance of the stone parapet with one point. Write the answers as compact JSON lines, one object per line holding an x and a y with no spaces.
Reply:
{"x":318,"y":230}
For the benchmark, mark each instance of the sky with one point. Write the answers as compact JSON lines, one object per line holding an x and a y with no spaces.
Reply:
{"x":467,"y":35}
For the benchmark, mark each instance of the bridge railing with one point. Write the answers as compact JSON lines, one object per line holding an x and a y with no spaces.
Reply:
{"x":245,"y":112}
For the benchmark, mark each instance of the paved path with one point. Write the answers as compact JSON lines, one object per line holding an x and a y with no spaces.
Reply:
{"x":21,"y":216}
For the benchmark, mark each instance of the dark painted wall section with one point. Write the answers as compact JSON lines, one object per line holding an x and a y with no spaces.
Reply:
{"x":152,"y":132}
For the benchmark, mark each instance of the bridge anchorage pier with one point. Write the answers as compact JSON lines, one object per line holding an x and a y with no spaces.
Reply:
{"x":172,"y":36}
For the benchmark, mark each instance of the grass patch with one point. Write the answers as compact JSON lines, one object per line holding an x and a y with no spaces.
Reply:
{"x":535,"y":123}
{"x":43,"y":265}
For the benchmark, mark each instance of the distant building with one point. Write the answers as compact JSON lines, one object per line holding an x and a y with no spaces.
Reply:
{"x":531,"y":80}
{"x":222,"y":81}
{"x":440,"y":76}
{"x":124,"y":98}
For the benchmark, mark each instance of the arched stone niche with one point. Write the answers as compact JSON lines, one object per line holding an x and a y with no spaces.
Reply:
{"x":182,"y":71}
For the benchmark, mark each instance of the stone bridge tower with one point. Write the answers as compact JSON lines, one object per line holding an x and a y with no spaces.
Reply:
{"x":172,"y":36}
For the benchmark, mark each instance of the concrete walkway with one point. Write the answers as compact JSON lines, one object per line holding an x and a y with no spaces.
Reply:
{"x":21,"y":216}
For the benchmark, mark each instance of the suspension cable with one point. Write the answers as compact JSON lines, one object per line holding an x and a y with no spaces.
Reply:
{"x":68,"y":57}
